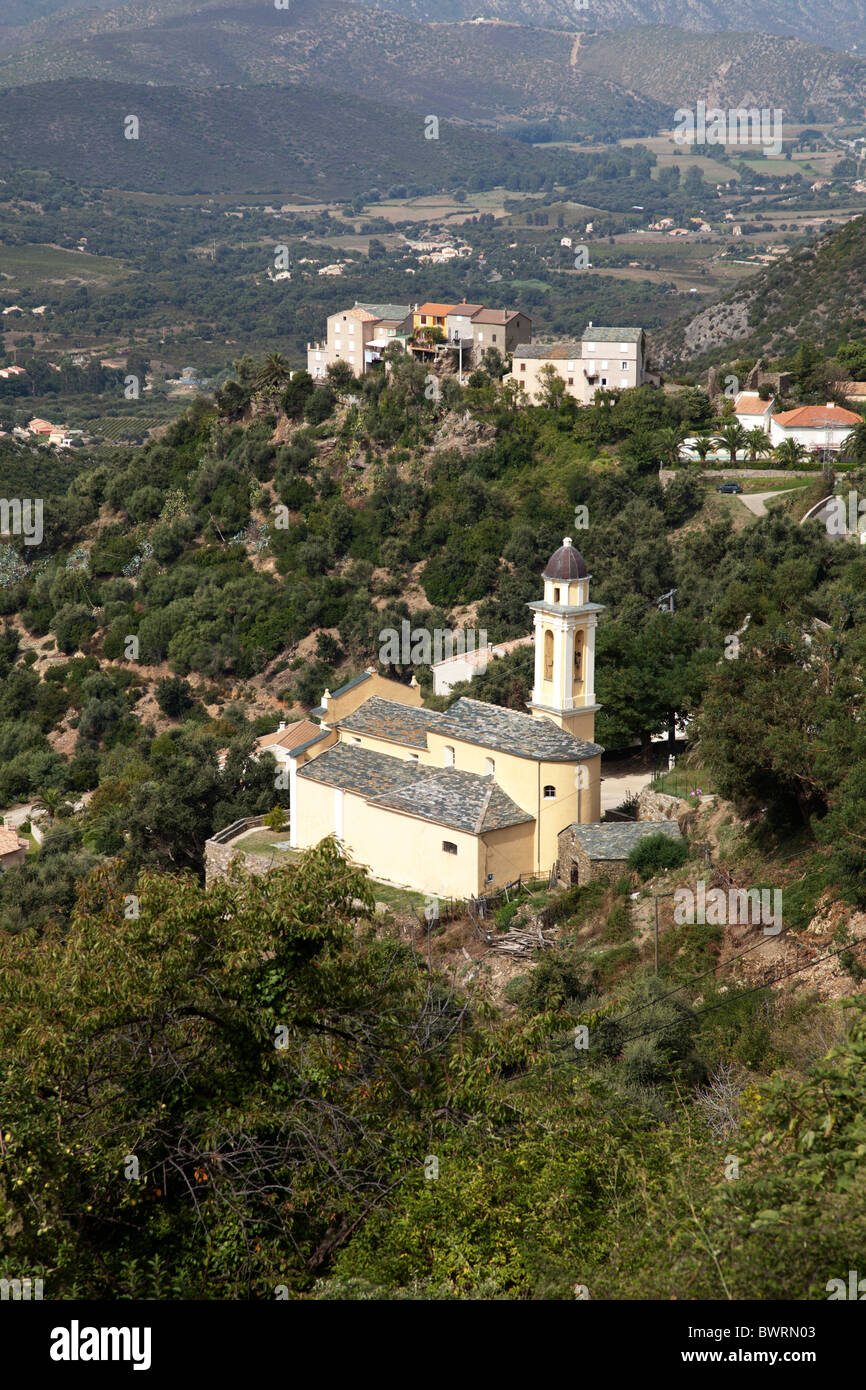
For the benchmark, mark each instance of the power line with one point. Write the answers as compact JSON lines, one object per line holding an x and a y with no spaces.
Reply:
{"x":725,"y":1003}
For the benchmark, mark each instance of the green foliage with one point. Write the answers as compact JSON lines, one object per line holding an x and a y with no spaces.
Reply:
{"x":558,"y":981}
{"x":657,"y":852}
{"x":276,"y":818}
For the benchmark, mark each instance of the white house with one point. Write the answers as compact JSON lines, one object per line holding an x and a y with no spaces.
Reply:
{"x":815,"y":426}
{"x":753,"y":413}
{"x":454,"y":669}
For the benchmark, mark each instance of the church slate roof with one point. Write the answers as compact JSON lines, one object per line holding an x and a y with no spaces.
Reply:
{"x":457,"y":800}
{"x":490,"y":726}
{"x":358,"y":770}
{"x":617,"y":839}
{"x":460,"y":800}
{"x":406,"y":724}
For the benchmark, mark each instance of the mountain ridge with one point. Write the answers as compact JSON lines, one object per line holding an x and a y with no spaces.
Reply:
{"x":815,"y":293}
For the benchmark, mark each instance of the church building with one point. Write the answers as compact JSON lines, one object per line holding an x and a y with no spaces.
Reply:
{"x":457,"y":804}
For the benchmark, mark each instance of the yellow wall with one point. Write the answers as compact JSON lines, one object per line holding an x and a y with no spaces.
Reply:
{"x":524,"y":780}
{"x":507,"y":853}
{"x":313,"y":819}
{"x":395,"y":848}
{"x":329,"y":739}
{"x":341,"y":706}
{"x":405,"y":850}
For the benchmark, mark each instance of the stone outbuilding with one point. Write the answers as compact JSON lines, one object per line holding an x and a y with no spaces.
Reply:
{"x":601,"y":849}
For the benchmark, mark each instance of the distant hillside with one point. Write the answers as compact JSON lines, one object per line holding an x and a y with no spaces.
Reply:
{"x":816,"y":293}
{"x":264,"y":139}
{"x":624,"y":82}
{"x":837,"y":23}
{"x":474,"y":73}
{"x":677,"y":68}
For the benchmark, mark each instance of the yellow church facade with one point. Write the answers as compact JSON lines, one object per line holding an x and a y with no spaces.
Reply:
{"x":456,"y":804}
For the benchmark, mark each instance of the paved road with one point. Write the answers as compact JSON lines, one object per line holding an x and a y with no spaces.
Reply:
{"x":757,"y":501}
{"x":615,"y":788}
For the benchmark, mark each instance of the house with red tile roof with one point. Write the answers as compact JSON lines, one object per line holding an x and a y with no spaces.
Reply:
{"x":12,"y":848}
{"x":815,"y":426}
{"x":752,"y":412}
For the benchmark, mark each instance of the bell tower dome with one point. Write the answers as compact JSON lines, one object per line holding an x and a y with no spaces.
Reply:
{"x":565,"y":623}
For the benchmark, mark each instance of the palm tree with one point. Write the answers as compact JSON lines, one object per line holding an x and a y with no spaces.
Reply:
{"x":274,"y":373}
{"x":702,"y":446}
{"x":733,"y":438}
{"x":758,"y":443}
{"x":670,"y":442}
{"x":790,"y":453}
{"x":49,"y":799}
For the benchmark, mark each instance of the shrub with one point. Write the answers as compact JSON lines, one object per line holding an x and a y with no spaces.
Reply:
{"x":618,"y":924}
{"x":555,"y":983}
{"x":174,"y":696}
{"x":275,"y":819}
{"x":657,"y":852}
{"x":505,"y":915}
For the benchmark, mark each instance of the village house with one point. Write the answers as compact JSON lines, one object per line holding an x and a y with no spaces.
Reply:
{"x":13,"y":848}
{"x":502,"y":329}
{"x":465,"y":666}
{"x":752,"y":412}
{"x":458,"y":323}
{"x":531,"y":359}
{"x":815,"y":426}
{"x":589,"y":852}
{"x":603,"y":359}
{"x":430,"y":316}
{"x":460,"y":802}
{"x":358,"y":336}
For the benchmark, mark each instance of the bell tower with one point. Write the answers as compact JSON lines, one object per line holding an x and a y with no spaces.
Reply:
{"x":565,"y":623}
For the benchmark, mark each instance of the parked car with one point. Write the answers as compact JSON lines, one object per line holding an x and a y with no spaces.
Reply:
{"x":730,"y":486}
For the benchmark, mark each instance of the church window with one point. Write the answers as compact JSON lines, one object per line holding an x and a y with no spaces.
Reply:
{"x":550,"y":793}
{"x":489,"y":767}
{"x":448,"y":847}
{"x":548,"y":655}
{"x":578,"y":653}
{"x":448,"y":758}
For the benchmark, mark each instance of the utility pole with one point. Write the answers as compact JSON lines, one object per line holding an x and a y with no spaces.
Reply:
{"x":667,"y":602}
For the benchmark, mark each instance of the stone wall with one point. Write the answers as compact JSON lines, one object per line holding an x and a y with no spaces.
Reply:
{"x":657,"y":805}
{"x":572,"y":853}
{"x":220,"y":851}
